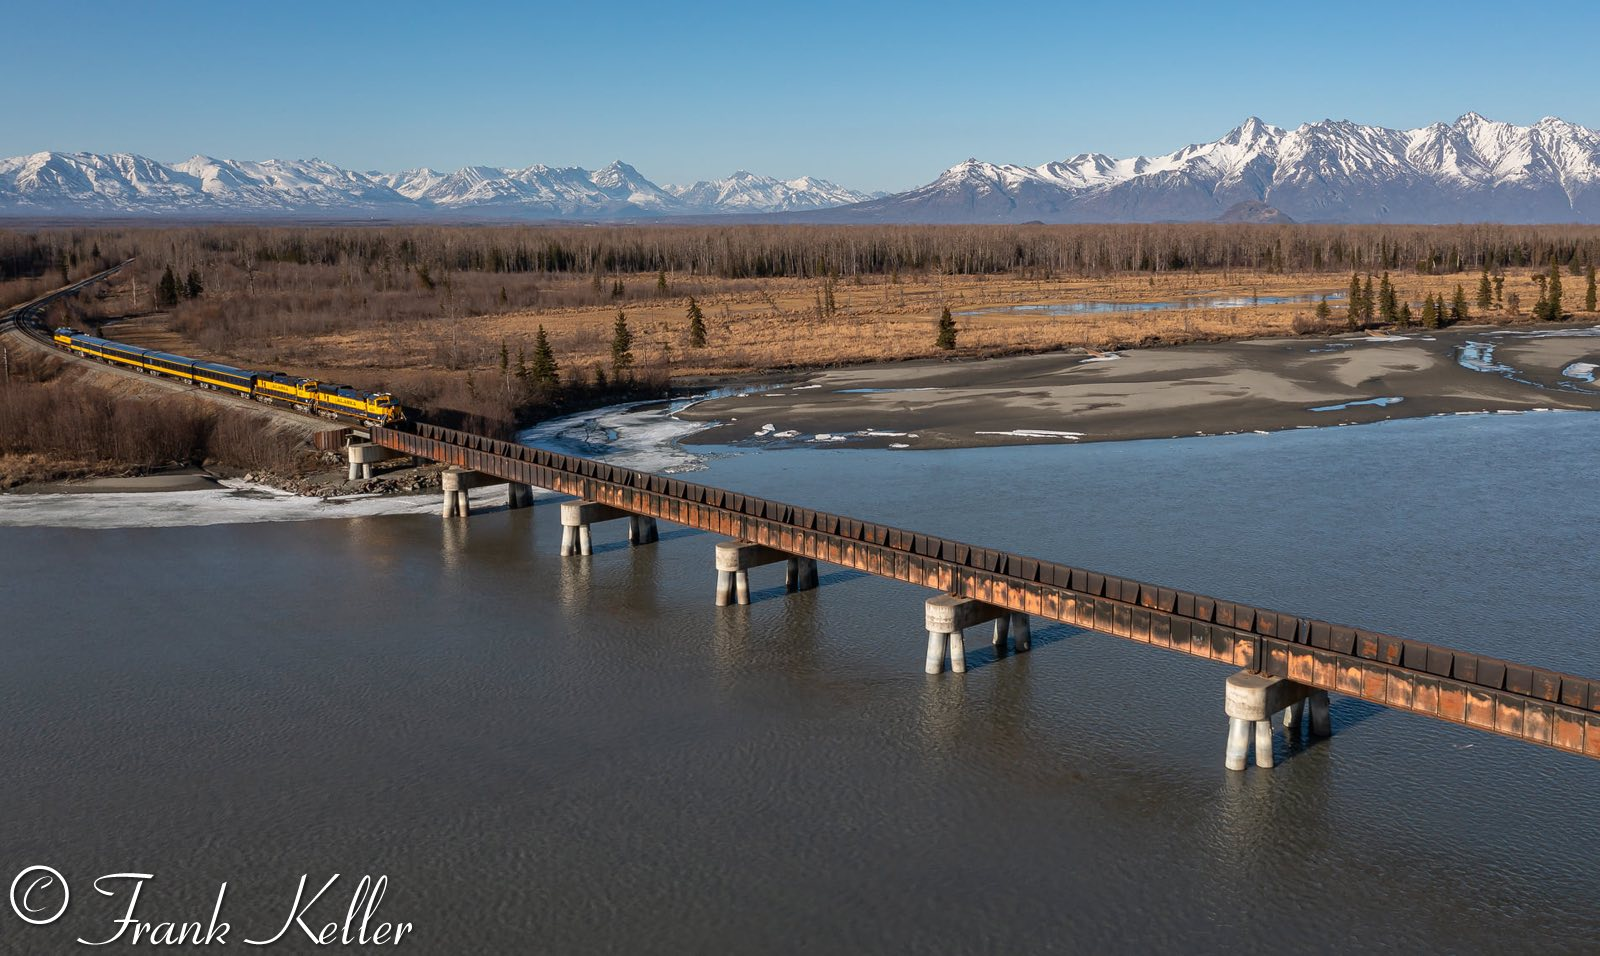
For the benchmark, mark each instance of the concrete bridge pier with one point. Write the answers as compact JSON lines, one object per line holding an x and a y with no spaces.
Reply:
{"x":362,"y":456}
{"x":518,"y":495}
{"x":578,"y":516}
{"x":642,"y":530}
{"x":456,"y":482}
{"x":1252,"y":700}
{"x":948,"y":616}
{"x":736,"y":558}
{"x":799,"y":574}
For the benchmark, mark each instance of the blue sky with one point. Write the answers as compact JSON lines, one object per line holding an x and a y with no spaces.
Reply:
{"x":875,"y":96}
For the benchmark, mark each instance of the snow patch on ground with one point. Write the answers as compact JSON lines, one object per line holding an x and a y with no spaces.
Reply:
{"x":1582,"y":371}
{"x":1035,"y":433}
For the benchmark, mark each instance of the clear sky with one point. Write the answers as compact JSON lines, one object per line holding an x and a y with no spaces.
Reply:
{"x":870,"y":95}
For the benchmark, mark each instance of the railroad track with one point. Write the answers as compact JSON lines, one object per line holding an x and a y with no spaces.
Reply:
{"x":25,"y":318}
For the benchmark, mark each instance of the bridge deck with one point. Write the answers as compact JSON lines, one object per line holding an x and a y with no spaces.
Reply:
{"x":1515,"y":700}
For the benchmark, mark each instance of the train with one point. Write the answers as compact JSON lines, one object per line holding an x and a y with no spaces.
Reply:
{"x":273,"y":388}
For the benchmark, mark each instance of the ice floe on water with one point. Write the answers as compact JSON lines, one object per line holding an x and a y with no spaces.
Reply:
{"x":641,"y":435}
{"x":1382,"y":402}
{"x":1035,"y":433}
{"x":1576,"y":332}
{"x":1479,"y":357}
{"x":1582,"y":371}
{"x":235,"y":502}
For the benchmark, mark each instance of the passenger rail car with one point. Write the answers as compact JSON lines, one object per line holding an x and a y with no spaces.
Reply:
{"x":307,"y":395}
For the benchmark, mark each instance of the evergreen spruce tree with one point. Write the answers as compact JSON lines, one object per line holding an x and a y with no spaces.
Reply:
{"x":1458,"y":305}
{"x":1388,"y":306}
{"x":1539,"y":304}
{"x":544,"y":373}
{"x":1430,"y":315}
{"x":192,"y":287}
{"x":1323,"y":312}
{"x":1485,"y":291}
{"x":1405,"y":313}
{"x":947,"y":330}
{"x":1588,"y":296}
{"x":1367,"y":300}
{"x":167,"y":290}
{"x":621,"y":347}
{"x":617,"y":289}
{"x":1553,"y":294}
{"x":661,"y":283}
{"x":1500,"y":289}
{"x":1353,"y":302}
{"x":697,"y":325}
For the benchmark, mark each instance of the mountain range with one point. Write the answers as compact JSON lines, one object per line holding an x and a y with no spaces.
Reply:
{"x":122,"y":184}
{"x":1472,"y":170}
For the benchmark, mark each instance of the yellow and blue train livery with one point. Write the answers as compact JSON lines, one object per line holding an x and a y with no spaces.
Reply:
{"x":278,"y":387}
{"x":308,"y":395}
{"x":172,"y":366}
{"x":224,"y":378}
{"x":344,"y":400}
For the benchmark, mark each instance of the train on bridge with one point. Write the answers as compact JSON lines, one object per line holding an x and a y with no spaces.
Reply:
{"x":273,"y":388}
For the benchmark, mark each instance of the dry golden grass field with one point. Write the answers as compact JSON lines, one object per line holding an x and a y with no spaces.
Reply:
{"x":785,"y":323}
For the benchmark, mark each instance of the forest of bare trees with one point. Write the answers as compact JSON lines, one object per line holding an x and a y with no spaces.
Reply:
{"x":434,"y":254}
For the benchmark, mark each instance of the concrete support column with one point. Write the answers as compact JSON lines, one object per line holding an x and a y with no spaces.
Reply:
{"x":799,"y":574}
{"x":642,"y":530}
{"x":949,"y":615}
{"x":1251,"y":701}
{"x":519,"y":495}
{"x":455,"y":482}
{"x":1021,"y":632}
{"x":736,"y":558}
{"x":362,"y":456}
{"x":577,"y":516}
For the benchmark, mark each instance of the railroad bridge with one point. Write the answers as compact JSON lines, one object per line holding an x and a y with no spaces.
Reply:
{"x":1289,"y":663}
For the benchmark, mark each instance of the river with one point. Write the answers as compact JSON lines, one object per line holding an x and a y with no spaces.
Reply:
{"x":585,"y":756}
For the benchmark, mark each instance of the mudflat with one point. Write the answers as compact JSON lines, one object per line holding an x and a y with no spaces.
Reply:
{"x":1252,"y":385}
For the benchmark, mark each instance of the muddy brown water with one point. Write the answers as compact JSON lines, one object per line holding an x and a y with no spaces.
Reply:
{"x":585,"y":756}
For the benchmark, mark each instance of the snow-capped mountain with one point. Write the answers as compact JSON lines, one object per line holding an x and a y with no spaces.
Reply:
{"x":747,"y":192}
{"x":1473,"y":170}
{"x":123,"y":184}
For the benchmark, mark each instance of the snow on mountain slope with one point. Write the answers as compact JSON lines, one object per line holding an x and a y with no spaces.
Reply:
{"x":119,"y":183}
{"x":747,"y":192}
{"x":1335,"y":171}
{"x":1472,"y":170}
